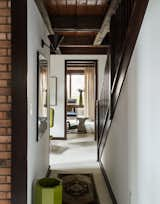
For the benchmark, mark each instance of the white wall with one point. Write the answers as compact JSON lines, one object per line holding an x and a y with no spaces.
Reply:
{"x":38,"y":152}
{"x":58,"y":69}
{"x":131,"y":155}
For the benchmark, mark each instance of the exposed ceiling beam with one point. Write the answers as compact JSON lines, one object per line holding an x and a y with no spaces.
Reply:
{"x":105,"y":27}
{"x":78,"y":40}
{"x":44,"y":14}
{"x":76,"y":22}
{"x":84,"y":49}
{"x":81,"y":30}
{"x":87,"y":46}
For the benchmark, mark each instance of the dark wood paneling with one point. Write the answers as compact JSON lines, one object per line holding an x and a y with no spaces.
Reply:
{"x":84,"y":50}
{"x":76,"y":22}
{"x":19,"y":101}
{"x":77,"y":39}
{"x":122,"y":58}
{"x":77,"y":7}
{"x":124,"y":36}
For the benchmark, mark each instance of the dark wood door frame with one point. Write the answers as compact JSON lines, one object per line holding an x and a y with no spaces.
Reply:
{"x":65,"y":86}
{"x":19,"y":102}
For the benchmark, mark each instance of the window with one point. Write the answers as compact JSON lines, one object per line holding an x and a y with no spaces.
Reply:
{"x":74,"y":83}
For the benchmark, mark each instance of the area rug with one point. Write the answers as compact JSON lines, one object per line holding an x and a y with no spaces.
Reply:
{"x":78,"y":189}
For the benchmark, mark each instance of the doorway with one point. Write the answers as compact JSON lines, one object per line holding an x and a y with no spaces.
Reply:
{"x":80,"y":98}
{"x":80,"y":95}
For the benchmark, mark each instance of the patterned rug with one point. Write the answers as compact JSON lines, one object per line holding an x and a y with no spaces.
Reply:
{"x":78,"y":189}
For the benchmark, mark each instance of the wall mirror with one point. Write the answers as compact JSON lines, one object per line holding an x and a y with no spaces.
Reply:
{"x":42,"y":87}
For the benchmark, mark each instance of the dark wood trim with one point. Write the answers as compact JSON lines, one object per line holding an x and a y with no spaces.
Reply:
{"x":19,"y":102}
{"x":79,"y":65}
{"x":104,"y":104}
{"x":65,"y":99}
{"x":97,"y":127}
{"x":78,"y":23}
{"x":104,"y":138}
{"x":37,"y":129}
{"x":76,"y":29}
{"x":85,"y":50}
{"x":82,"y":62}
{"x":96,"y":96}
{"x":59,"y":138}
{"x":109,"y":187}
{"x":69,"y":62}
{"x":74,"y":72}
{"x":130,"y":42}
{"x":85,"y":46}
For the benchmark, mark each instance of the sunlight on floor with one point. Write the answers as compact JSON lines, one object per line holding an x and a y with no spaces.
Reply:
{"x":76,"y":149}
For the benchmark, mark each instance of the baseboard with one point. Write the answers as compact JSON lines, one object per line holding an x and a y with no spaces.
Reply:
{"x":113,"y":198}
{"x":58,"y":138}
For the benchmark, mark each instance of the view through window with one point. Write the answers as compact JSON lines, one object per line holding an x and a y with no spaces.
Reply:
{"x":74,"y":83}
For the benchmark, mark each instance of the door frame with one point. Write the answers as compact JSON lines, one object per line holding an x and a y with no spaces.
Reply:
{"x":65,"y":91}
{"x":19,"y":102}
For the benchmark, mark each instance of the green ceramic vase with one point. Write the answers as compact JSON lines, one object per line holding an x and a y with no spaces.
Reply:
{"x":48,"y":191}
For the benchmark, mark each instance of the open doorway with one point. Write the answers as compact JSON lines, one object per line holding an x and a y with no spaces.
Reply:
{"x":80,"y":95}
{"x":80,"y":98}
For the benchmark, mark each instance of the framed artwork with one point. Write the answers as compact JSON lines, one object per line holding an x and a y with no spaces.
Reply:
{"x":53,"y":91}
{"x":42,"y":94}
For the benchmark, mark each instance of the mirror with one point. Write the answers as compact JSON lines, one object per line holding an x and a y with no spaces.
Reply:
{"x":42,"y":86}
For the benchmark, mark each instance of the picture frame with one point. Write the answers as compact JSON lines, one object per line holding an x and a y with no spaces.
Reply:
{"x":53,"y":91}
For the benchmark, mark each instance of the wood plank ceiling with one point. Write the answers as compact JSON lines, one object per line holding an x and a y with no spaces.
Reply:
{"x":79,"y":21}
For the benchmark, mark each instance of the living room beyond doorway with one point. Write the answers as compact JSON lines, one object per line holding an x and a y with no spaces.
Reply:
{"x":80,"y":98}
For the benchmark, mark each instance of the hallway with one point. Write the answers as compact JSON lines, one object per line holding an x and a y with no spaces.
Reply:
{"x":122,"y":39}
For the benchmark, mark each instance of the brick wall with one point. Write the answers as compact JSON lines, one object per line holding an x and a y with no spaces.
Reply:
{"x":5,"y":102}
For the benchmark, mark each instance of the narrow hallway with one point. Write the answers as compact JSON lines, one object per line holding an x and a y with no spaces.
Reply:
{"x":80,"y":83}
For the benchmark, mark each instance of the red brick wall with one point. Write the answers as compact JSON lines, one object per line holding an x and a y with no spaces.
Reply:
{"x":5,"y":102}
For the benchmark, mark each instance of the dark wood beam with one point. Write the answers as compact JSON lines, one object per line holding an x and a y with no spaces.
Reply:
{"x":87,"y":46}
{"x":83,"y":30}
{"x":76,"y":22}
{"x":78,"y":40}
{"x":105,"y":27}
{"x":84,"y":49}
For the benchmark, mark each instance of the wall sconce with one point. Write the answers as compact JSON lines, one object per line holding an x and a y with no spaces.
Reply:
{"x":55,"y":40}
